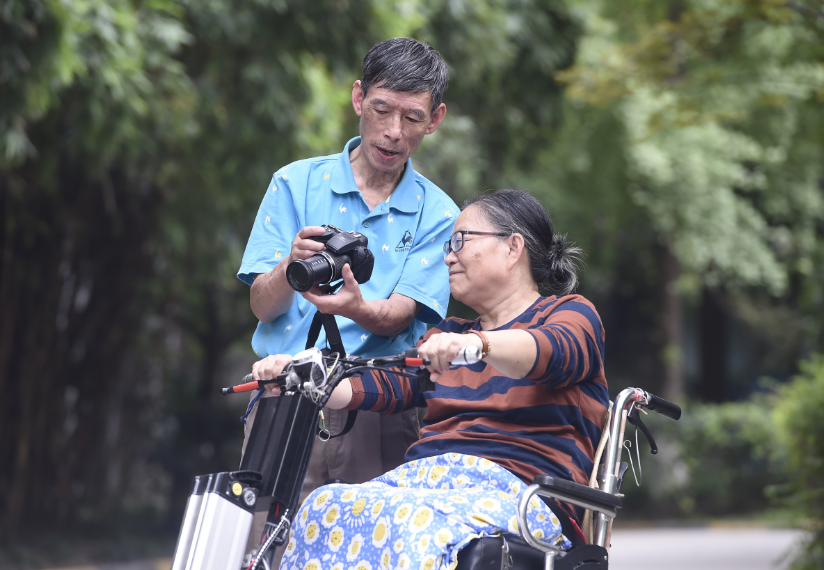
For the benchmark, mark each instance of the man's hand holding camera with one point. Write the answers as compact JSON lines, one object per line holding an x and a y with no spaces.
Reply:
{"x":347,"y":302}
{"x":273,"y":293}
{"x":303,"y":247}
{"x":270,"y":295}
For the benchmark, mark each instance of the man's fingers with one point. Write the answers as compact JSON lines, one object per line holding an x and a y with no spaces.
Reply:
{"x":311,"y":231}
{"x":308,"y":245}
{"x":270,"y":366}
{"x":302,"y":246}
{"x":313,"y":295}
{"x":304,"y":249}
{"x":348,"y":276}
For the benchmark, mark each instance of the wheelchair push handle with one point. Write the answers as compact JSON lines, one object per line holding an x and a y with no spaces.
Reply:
{"x":663,"y":407}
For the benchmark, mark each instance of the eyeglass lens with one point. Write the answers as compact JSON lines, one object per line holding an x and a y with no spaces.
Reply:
{"x":455,"y":243}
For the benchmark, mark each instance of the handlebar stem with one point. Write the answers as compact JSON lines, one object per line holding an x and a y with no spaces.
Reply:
{"x":609,"y":481}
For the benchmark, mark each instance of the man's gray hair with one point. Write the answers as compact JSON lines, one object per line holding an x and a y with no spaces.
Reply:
{"x":406,"y":65}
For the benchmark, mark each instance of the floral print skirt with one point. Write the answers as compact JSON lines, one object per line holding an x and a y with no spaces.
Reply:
{"x":416,"y":517}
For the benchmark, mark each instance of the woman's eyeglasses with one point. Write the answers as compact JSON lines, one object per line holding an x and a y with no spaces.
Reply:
{"x":456,"y":242}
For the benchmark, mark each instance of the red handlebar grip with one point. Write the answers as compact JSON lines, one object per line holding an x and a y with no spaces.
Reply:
{"x":413,"y":361}
{"x":248,"y":387}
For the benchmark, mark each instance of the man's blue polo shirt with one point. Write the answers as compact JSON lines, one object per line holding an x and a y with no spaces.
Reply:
{"x":406,"y":234}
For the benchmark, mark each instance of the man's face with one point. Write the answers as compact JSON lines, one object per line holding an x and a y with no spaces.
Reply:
{"x":393,"y":124}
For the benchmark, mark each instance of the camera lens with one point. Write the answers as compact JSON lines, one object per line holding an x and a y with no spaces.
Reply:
{"x":299,"y":275}
{"x":303,"y":274}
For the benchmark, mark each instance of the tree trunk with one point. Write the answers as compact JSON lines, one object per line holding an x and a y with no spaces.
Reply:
{"x":712,"y":386}
{"x":70,"y":276}
{"x":671,"y":325}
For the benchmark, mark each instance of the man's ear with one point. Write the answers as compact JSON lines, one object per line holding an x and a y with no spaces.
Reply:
{"x":357,"y":98}
{"x":437,"y":117}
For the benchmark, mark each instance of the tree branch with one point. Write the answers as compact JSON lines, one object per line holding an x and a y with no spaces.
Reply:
{"x":802,"y":9}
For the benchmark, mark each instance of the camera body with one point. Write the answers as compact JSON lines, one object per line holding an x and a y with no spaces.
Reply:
{"x":325,"y":266}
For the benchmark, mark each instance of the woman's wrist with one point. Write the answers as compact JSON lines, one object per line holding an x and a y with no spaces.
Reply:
{"x":486,"y":346}
{"x":342,"y":396}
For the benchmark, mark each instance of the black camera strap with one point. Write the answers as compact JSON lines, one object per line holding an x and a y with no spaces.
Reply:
{"x":333,"y":337}
{"x":335,"y":341}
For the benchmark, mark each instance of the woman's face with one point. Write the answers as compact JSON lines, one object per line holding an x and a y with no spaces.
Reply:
{"x":477,"y":270}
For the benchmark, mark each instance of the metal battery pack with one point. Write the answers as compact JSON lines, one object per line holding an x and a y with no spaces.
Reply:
{"x":217,"y":521}
{"x":190,"y":518}
{"x":219,"y":512}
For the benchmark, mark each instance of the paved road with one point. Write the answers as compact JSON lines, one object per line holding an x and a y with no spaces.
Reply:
{"x":654,"y":549}
{"x":702,"y":549}
{"x":154,"y":564}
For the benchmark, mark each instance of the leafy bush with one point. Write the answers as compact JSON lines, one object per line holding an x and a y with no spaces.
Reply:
{"x":799,"y":419}
{"x":716,"y":460}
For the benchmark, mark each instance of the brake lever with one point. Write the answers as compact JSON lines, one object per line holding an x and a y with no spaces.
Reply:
{"x":250,"y":384}
{"x":634,"y":418}
{"x":425,"y":384}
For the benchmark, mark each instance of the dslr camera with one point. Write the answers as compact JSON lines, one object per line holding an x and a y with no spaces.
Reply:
{"x":325,"y":266}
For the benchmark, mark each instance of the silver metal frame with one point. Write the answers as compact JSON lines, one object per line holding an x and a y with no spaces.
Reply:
{"x":608,"y":483}
{"x":187,"y":530}
{"x":221,"y":535}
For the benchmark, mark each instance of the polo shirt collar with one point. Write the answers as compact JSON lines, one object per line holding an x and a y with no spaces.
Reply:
{"x":406,"y":196}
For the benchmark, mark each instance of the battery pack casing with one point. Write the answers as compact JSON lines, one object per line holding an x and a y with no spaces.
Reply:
{"x":189,"y":524}
{"x":280,"y":445}
{"x":217,"y":521}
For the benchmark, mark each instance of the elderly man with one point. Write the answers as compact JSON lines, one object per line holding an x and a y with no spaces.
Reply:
{"x":371,"y":188}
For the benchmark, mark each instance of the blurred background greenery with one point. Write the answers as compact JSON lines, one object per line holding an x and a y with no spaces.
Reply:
{"x":679,"y":142}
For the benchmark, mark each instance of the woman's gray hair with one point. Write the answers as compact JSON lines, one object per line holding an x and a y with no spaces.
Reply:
{"x":552,"y":260}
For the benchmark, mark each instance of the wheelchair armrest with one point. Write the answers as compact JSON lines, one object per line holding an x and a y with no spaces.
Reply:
{"x":568,"y":492}
{"x":578,"y":494}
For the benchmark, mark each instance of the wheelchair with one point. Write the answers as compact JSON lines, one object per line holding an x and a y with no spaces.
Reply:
{"x":219,"y":512}
{"x":601,"y":503}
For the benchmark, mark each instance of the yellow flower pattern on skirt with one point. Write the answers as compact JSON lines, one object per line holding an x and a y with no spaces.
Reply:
{"x":416,"y":517}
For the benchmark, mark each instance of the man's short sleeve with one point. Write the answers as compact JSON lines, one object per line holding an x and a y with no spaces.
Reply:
{"x":273,"y":232}
{"x":425,"y":276}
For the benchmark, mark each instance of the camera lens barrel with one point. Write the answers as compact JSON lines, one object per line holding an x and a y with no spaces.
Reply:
{"x":303,"y":274}
{"x":326,"y":266}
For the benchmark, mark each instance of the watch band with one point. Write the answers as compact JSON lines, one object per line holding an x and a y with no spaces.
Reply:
{"x":486,"y":346}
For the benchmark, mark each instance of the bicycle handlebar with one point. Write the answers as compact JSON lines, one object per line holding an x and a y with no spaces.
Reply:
{"x":408,"y":359}
{"x":351,"y":365}
{"x":663,"y":407}
{"x":250,"y":384}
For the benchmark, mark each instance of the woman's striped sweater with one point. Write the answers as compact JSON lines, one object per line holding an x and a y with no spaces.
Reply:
{"x":546,"y":423}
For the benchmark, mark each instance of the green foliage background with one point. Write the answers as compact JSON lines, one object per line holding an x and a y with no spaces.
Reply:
{"x":679,"y":142}
{"x":799,"y":417}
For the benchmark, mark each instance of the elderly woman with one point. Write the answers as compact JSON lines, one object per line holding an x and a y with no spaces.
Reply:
{"x":534,"y":405}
